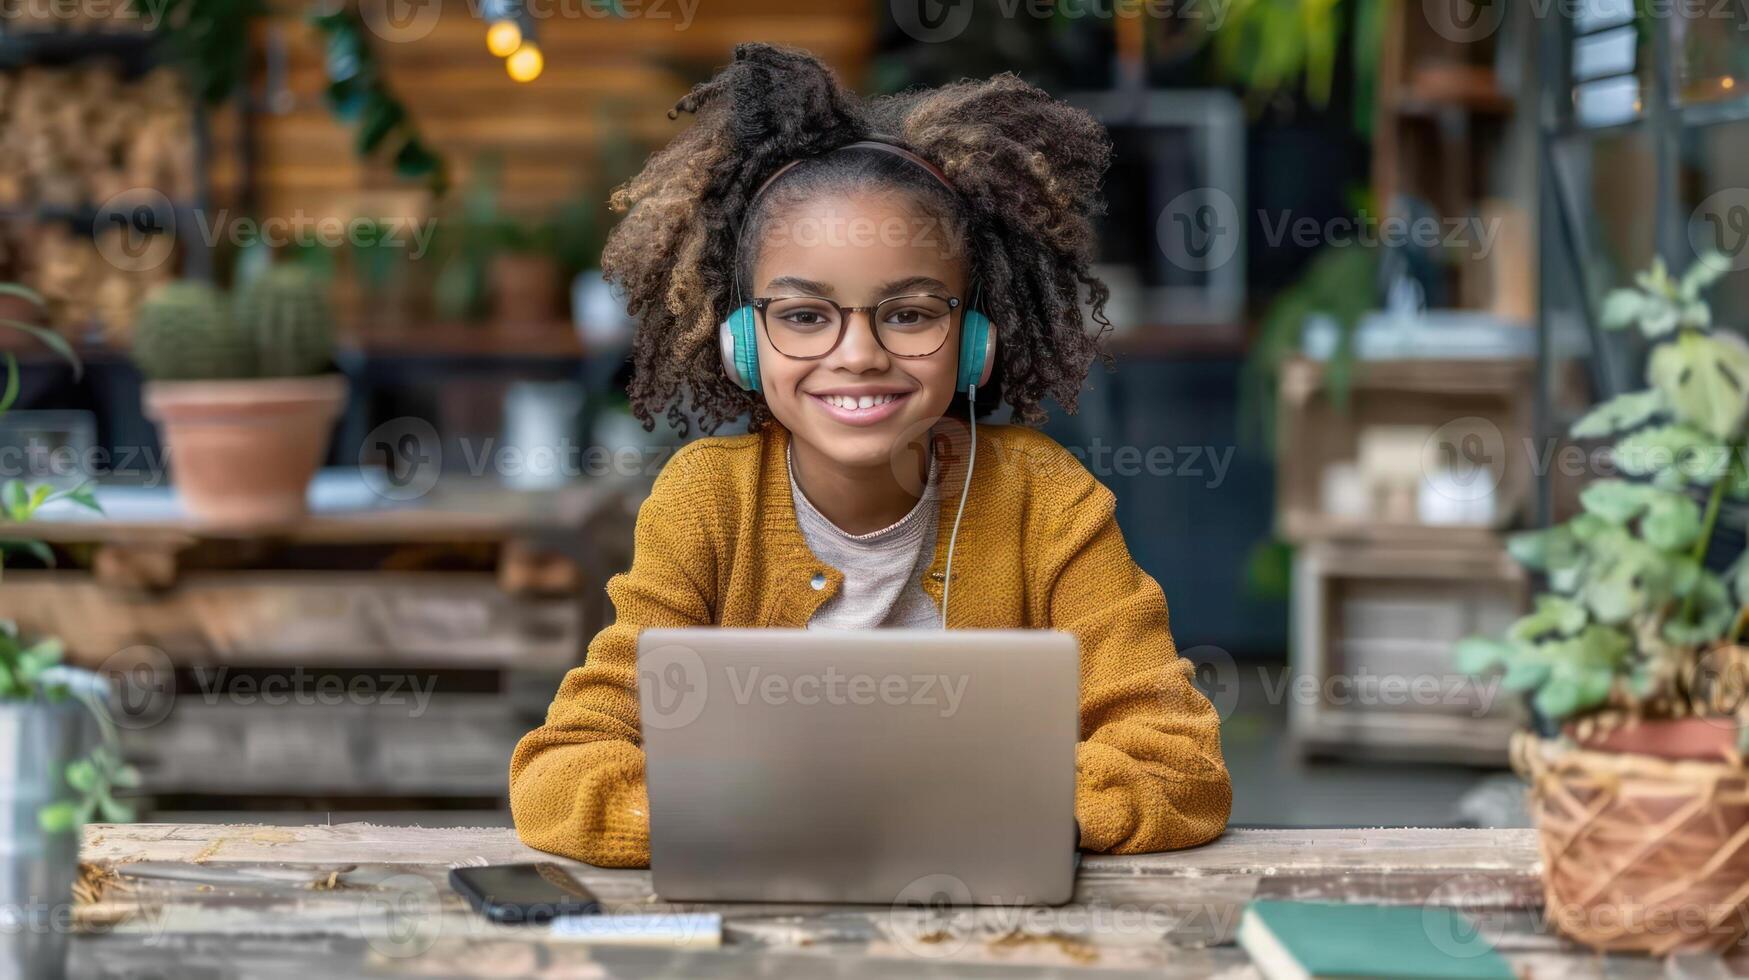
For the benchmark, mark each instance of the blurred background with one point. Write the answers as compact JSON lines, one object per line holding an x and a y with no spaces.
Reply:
{"x":1357,"y":251}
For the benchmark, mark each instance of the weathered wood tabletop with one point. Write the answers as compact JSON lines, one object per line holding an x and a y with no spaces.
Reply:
{"x":182,"y":900}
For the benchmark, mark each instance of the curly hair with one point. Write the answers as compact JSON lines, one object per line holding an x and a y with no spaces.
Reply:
{"x":1025,"y":167}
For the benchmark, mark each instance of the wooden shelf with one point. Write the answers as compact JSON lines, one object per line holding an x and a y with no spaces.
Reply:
{"x":557,"y":339}
{"x":1316,"y":432}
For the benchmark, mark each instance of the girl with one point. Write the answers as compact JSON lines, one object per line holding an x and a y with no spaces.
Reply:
{"x":852,"y":277}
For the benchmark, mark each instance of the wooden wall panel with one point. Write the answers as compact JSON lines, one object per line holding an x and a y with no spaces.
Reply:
{"x":602,"y":75}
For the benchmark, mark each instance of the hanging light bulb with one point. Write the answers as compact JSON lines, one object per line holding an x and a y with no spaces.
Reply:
{"x":503,"y":38}
{"x":525,"y":63}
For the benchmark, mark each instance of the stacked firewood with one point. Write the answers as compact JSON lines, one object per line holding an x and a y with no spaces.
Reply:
{"x":78,"y":147}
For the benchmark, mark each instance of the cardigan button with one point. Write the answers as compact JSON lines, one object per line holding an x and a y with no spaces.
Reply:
{"x":818,"y":581}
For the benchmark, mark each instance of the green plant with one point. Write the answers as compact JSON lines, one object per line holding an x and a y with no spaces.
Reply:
{"x":1633,"y":613}
{"x":358,"y":93}
{"x":1268,"y":45}
{"x":31,"y":671}
{"x":184,"y":333}
{"x":285,"y":312}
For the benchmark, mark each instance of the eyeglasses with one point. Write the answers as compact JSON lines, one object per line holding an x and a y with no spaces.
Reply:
{"x":810,"y":327}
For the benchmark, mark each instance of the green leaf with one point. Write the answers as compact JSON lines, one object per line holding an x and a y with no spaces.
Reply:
{"x":25,"y":293}
{"x":82,"y":776}
{"x":58,"y":818}
{"x":84,"y":495}
{"x":1618,"y":501}
{"x":1622,"y":307}
{"x":1659,"y":318}
{"x":1705,"y":381}
{"x":1705,"y":616}
{"x":50,"y":339}
{"x":1628,"y":578}
{"x":10,"y":395}
{"x":1672,"y":455}
{"x":1672,"y":522}
{"x":15,"y":498}
{"x":1558,"y":698}
{"x":1620,"y":414}
{"x":1525,"y":674}
{"x":114,"y":811}
{"x":35,"y":549}
{"x":1559,"y":614}
{"x":1709,"y":268}
{"x":1553,"y":547}
{"x":1479,"y":654}
{"x":1738,"y":578}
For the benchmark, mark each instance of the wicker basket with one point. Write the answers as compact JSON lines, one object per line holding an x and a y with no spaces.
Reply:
{"x":1639,"y":854}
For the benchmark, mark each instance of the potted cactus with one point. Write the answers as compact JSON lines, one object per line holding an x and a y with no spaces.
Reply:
{"x":1633,"y":657}
{"x":244,"y":392}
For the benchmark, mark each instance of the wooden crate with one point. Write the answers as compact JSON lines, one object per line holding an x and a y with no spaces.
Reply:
{"x":1454,"y":398}
{"x":1364,"y":610}
{"x":379,"y":660}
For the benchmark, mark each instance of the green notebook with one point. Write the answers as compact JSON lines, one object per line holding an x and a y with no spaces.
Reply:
{"x":1303,"y":940}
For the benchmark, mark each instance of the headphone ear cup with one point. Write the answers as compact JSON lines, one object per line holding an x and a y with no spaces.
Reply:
{"x":739,"y":347}
{"x":977,"y":350}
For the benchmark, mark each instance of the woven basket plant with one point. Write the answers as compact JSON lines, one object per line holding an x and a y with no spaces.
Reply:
{"x":1632,"y":655}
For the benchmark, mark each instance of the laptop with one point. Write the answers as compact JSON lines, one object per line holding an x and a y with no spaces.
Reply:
{"x":878,"y":766}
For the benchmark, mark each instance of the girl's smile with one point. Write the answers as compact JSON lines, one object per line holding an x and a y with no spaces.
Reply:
{"x":861,"y":405}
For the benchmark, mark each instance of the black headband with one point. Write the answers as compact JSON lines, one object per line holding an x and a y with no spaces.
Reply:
{"x":880,"y":145}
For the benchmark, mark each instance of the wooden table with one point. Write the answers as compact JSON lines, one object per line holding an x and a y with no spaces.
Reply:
{"x":366,"y":900}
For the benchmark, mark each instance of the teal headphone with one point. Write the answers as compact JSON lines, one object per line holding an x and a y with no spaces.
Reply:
{"x":737,"y":336}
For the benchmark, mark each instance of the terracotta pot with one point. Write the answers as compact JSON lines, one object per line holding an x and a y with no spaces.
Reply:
{"x":525,"y":290}
{"x":1702,"y":739}
{"x":242,"y":453}
{"x":1639,"y":854}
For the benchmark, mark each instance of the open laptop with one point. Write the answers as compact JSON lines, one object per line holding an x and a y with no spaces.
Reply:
{"x":875,"y":766}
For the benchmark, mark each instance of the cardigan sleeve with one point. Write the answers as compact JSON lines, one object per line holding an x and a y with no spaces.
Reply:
{"x":1149,"y":772}
{"x":577,"y":782}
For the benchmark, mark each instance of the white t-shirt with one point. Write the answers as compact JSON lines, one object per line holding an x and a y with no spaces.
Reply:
{"x":883,"y":570}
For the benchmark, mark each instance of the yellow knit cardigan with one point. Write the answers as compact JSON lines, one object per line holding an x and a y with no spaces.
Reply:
{"x":717,"y":543}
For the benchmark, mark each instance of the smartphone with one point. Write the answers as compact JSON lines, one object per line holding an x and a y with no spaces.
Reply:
{"x":518,"y":893}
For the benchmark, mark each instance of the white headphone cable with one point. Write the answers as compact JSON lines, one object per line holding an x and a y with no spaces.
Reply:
{"x":971,"y":461}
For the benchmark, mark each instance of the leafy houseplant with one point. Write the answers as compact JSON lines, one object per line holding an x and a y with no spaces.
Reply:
{"x":45,"y":715}
{"x":244,"y":391}
{"x":1634,"y":611}
{"x":1642,"y":800}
